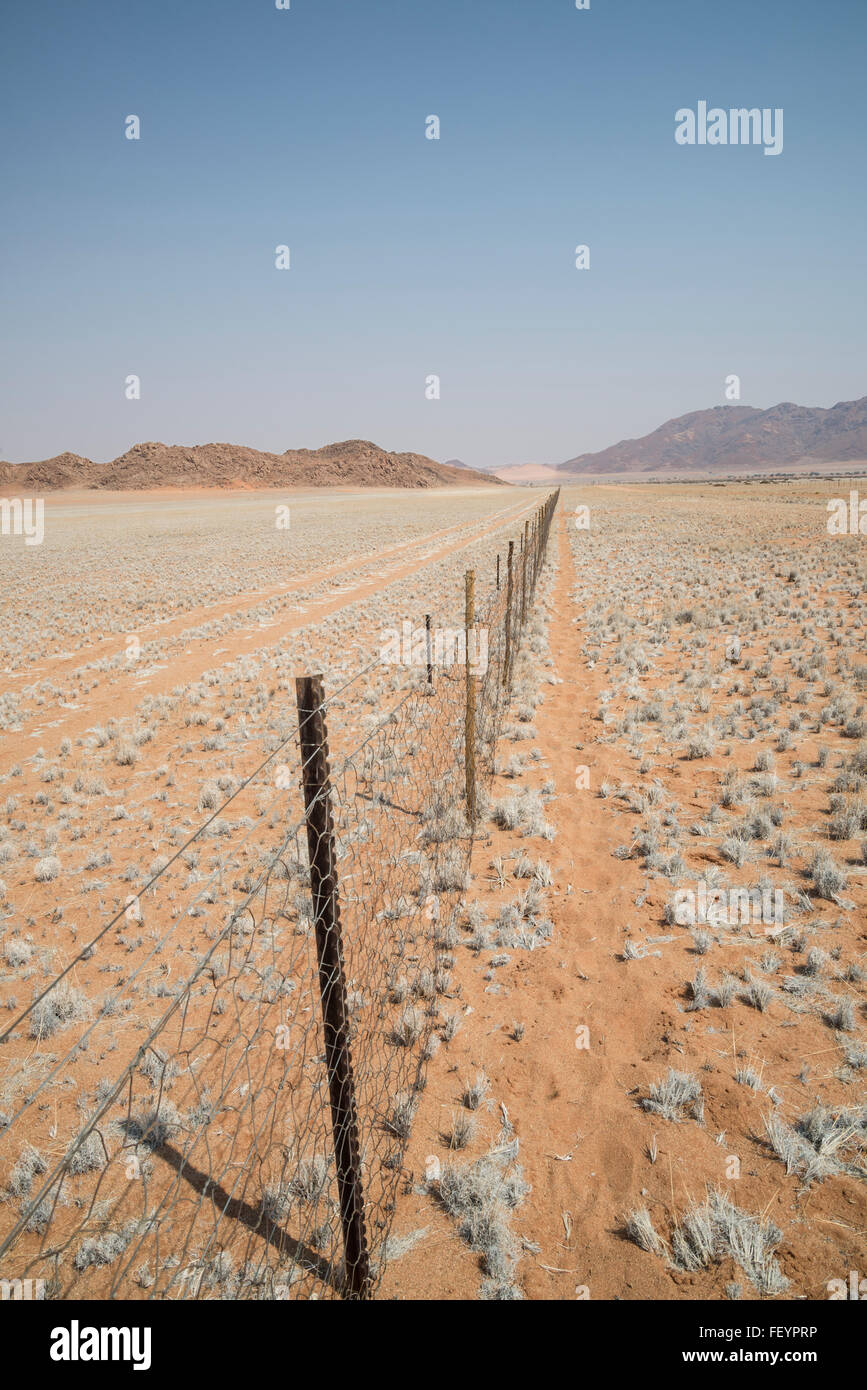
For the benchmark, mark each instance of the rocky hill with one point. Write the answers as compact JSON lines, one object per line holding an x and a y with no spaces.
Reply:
{"x":353,"y":463}
{"x":735,"y":438}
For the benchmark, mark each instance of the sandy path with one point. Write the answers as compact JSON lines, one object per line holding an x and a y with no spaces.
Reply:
{"x":584,"y":1137}
{"x":581,"y":1133}
{"x":562,"y":1090}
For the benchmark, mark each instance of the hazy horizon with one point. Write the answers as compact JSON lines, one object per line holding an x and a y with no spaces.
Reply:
{"x":412,"y":257}
{"x":516,"y":463}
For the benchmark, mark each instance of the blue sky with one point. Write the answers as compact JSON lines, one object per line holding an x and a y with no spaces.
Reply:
{"x":413,"y":257}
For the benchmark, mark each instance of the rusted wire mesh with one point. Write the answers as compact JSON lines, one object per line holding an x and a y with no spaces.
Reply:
{"x":205,"y":1165}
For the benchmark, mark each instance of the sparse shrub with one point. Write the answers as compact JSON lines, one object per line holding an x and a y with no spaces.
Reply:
{"x":462,"y":1130}
{"x":479,"y":1197}
{"x":47,"y":869}
{"x":640,"y":1230}
{"x":828,"y":878}
{"x":402,"y":1112}
{"x":758,"y":994}
{"x":736,"y":850}
{"x":63,"y":1005}
{"x":209,"y":797}
{"x":17,"y":953}
{"x":29,"y":1165}
{"x":841,"y":1014}
{"x":475,"y":1091}
{"x":88,"y":1156}
{"x":675,"y":1093}
{"x":408,"y":1028}
{"x":103,"y":1249}
{"x":125,"y":753}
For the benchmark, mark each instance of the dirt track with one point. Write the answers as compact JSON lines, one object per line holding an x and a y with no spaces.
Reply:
{"x":584,"y":1138}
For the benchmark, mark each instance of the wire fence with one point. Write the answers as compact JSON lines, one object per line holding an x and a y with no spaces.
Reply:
{"x":252,"y":1144}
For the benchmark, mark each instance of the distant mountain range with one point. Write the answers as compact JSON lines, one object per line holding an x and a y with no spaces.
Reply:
{"x":724,"y":439}
{"x":737,"y":438}
{"x":353,"y":463}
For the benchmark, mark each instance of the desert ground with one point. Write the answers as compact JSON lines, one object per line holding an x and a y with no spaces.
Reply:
{"x":637,"y":1082}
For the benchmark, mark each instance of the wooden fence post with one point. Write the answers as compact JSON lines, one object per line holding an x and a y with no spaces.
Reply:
{"x":470,"y":717}
{"x":537,"y":531}
{"x":316,"y":781}
{"x":507,"y":660}
{"x":427,"y":643}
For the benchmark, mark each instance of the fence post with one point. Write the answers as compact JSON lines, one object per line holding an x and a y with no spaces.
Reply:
{"x":508,"y":656}
{"x":535,"y":569}
{"x":524,"y":575}
{"x":470,"y":717}
{"x":316,"y":781}
{"x":498,"y":571}
{"x":427,"y":642}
